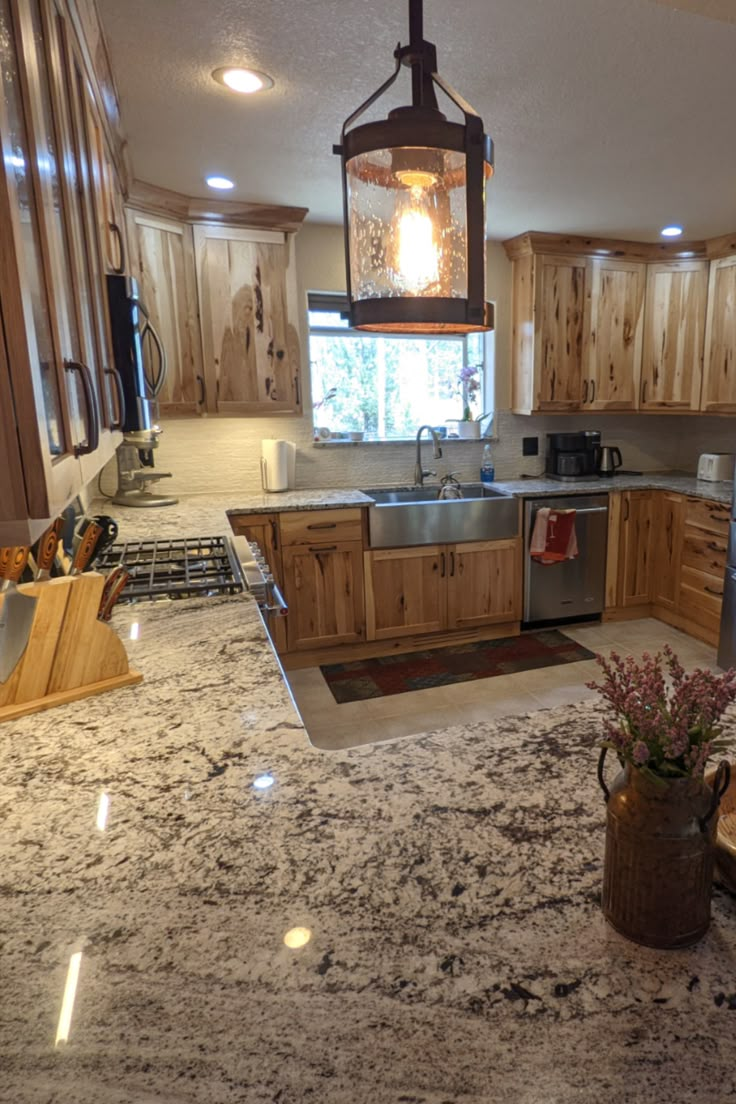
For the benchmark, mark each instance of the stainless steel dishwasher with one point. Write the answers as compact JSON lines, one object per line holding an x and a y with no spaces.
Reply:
{"x":572,"y":589}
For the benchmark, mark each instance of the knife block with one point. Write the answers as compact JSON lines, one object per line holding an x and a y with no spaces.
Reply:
{"x":69,"y":654}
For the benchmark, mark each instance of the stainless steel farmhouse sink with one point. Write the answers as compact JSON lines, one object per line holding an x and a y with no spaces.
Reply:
{"x":415,"y":515}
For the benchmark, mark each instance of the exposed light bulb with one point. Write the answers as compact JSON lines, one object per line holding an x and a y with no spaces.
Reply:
{"x":418,"y":260}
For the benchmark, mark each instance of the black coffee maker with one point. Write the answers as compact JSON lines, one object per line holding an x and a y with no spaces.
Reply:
{"x":573,"y":456}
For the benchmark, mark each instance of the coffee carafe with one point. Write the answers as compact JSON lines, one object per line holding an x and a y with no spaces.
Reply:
{"x":610,"y":460}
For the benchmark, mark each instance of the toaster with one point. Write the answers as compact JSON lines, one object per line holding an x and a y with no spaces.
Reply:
{"x":714,"y":467}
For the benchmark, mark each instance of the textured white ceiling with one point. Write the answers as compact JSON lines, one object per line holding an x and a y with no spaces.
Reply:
{"x":609,"y":116}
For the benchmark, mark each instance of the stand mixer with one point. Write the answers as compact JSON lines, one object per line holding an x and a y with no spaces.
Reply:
{"x":136,"y":471}
{"x":131,"y":326}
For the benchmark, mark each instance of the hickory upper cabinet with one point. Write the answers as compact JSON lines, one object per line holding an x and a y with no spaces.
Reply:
{"x":613,"y":334}
{"x":59,"y":398}
{"x":674,"y":330}
{"x":249,"y":319}
{"x":719,"y":369}
{"x":161,"y":257}
{"x":548,"y":307}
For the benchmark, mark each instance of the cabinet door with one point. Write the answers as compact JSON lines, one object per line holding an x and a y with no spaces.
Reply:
{"x":614,"y":334}
{"x":405,"y":591}
{"x":674,"y":330}
{"x":248,"y":310}
{"x":162,"y":259}
{"x":323,"y":587}
{"x":86,"y":127}
{"x":483,"y":583}
{"x":264,"y":530}
{"x":667,"y":542}
{"x":558,"y":338}
{"x":636,"y":547}
{"x":719,"y":370}
{"x":40,"y":414}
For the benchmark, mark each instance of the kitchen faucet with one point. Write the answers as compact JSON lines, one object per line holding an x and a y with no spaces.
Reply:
{"x":419,"y":472}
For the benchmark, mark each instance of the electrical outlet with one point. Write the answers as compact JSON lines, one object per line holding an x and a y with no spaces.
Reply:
{"x":530,"y":446}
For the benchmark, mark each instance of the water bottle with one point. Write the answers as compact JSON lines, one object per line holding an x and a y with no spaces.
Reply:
{"x":487,"y":472}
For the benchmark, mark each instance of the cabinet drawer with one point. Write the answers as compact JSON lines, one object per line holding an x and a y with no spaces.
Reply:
{"x":713,"y":516}
{"x":701,"y":597}
{"x":704,"y":552}
{"x":321,"y":526}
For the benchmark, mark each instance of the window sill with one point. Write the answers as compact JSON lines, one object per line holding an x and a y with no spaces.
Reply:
{"x":404,"y":441}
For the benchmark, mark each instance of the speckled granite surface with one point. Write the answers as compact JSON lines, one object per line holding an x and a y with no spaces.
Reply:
{"x":662,"y":481}
{"x":450,"y":883}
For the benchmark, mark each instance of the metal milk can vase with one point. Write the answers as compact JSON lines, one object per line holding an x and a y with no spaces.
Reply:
{"x":658,"y":866}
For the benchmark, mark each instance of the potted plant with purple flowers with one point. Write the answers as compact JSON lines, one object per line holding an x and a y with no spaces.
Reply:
{"x":661,"y":815}
{"x":469,"y":381}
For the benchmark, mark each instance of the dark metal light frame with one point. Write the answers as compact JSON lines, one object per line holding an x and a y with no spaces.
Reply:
{"x":423,"y":125}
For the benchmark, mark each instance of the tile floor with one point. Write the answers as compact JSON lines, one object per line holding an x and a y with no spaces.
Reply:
{"x":334,"y":726}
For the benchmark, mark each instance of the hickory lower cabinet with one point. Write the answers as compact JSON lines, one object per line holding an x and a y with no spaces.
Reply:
{"x":667,"y":558}
{"x":436,"y":588}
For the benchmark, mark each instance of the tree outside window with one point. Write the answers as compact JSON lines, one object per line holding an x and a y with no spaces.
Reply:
{"x":386,"y":387}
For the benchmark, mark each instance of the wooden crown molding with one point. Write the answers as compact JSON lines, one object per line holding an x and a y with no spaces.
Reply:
{"x":536,"y":241}
{"x":153,"y":200}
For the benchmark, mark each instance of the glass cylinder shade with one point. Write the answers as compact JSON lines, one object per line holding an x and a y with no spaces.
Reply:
{"x":407,"y":213}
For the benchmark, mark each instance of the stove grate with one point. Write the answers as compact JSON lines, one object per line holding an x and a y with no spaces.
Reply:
{"x":179,"y":568}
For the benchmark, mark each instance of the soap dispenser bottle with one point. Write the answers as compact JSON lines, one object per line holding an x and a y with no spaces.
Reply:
{"x":487,"y":472}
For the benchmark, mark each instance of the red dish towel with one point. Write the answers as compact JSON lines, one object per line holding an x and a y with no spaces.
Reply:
{"x":554,"y":539}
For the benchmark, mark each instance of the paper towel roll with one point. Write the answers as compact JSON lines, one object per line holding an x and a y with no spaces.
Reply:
{"x":276,"y":459}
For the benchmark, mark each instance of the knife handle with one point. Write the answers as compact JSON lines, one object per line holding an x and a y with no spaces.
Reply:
{"x":13,"y":562}
{"x":114,"y":586}
{"x":48,"y":544}
{"x":86,"y":548}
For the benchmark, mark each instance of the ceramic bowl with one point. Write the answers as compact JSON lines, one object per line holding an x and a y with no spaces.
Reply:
{"x":356,"y":435}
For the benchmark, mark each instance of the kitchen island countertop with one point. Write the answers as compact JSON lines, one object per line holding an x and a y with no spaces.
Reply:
{"x":449,"y":882}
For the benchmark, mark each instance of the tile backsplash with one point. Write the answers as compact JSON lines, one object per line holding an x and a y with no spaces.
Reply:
{"x":223,"y":454}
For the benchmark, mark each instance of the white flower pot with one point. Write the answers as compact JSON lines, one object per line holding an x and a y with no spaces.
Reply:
{"x":469,"y":430}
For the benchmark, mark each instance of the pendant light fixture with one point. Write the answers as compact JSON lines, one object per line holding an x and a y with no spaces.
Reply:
{"x":414,"y":206}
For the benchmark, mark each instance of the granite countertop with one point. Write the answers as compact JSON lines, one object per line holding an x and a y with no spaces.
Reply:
{"x":679,"y":482}
{"x":450,"y":883}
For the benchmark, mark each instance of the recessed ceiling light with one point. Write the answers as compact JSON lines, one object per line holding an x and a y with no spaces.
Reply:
{"x":221,"y":183}
{"x":671,"y":231}
{"x":245,"y":81}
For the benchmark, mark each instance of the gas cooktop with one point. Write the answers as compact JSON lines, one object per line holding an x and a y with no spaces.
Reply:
{"x":190,"y":567}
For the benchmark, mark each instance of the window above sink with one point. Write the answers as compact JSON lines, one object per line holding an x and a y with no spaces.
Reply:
{"x":384,"y":387}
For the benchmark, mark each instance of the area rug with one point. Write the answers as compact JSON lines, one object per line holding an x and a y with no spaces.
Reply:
{"x":398,"y":674}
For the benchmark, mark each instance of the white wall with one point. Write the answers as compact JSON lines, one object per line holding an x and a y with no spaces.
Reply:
{"x":212,"y":453}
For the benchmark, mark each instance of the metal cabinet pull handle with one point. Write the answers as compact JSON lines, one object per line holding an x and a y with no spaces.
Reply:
{"x":274,"y":535}
{"x":716,"y":547}
{"x":297,"y":390}
{"x":452,"y":564}
{"x":119,"y":270}
{"x":626,"y":509}
{"x":585,"y":391}
{"x":202,"y":391}
{"x":323,"y":525}
{"x":92,"y":414}
{"x":443,"y":565}
{"x":644,"y":392}
{"x":592,"y":390}
{"x":324,"y":548}
{"x":717,"y":517}
{"x":711,"y":590}
{"x":121,"y":397}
